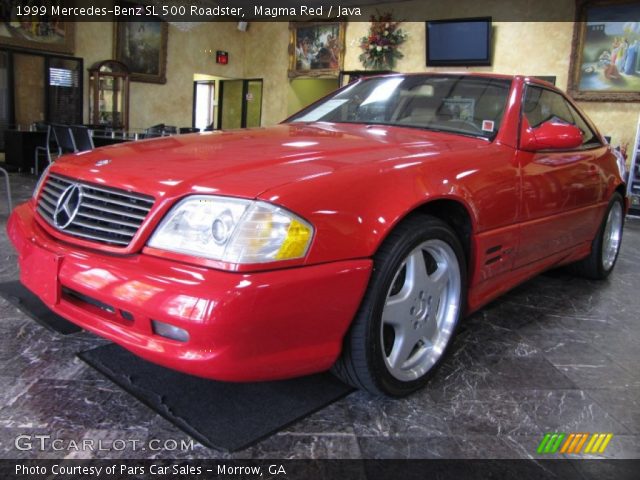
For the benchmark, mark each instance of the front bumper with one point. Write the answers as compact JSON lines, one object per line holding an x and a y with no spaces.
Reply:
{"x":242,"y":327}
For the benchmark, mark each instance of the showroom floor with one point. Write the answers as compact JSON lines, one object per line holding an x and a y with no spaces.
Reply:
{"x":558,"y":354}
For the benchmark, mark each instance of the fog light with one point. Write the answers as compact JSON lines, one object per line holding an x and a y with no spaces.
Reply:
{"x":169,"y":331}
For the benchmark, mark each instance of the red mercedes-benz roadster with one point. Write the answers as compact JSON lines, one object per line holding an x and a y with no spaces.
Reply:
{"x":353,"y":236}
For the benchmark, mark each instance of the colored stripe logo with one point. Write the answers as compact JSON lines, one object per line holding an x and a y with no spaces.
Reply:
{"x":573,"y":443}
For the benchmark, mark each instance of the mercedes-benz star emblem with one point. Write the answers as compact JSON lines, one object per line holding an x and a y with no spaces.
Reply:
{"x":100,"y":163}
{"x":67,"y":206}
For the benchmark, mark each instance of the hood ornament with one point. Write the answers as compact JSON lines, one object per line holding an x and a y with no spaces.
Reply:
{"x":101,"y":163}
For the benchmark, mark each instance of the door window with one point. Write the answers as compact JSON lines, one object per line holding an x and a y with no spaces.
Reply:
{"x":542,"y":105}
{"x":589,"y":138}
{"x":240,"y":103}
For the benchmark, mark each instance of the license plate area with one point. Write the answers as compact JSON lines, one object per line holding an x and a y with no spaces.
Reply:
{"x":39,"y":273}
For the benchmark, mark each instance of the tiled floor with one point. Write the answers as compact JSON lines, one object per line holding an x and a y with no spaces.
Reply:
{"x":556,"y":354}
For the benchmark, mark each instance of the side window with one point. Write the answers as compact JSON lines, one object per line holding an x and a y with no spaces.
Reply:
{"x":589,"y":137}
{"x":541,"y":105}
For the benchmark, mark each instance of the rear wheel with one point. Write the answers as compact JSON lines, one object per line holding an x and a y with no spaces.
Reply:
{"x":410,"y":311}
{"x":606,"y":246}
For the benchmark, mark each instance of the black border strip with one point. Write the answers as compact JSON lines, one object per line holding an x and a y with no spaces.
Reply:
{"x":327,"y":469}
{"x":332,"y":10}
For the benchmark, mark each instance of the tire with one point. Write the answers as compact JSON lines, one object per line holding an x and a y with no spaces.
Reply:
{"x":606,"y":245}
{"x":409,"y":312}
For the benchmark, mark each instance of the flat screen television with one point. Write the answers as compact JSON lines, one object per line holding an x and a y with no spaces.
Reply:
{"x":461,"y":42}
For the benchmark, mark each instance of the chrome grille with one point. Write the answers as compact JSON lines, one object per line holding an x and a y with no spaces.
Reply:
{"x":105,"y":215}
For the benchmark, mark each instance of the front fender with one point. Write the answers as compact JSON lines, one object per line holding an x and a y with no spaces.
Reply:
{"x":353,"y":211}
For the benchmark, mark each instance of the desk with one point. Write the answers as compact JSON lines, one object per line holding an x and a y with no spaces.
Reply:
{"x":20,"y":148}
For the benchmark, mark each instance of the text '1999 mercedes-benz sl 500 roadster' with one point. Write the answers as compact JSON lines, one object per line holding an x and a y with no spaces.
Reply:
{"x":353,"y":236}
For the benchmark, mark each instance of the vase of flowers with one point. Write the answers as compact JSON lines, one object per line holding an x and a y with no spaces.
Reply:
{"x":380,"y":48}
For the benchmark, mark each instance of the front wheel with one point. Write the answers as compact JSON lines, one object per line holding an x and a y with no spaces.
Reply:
{"x":606,"y":246}
{"x":410,"y":311}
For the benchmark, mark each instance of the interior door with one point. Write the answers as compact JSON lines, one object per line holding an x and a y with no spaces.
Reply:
{"x":240,"y":103}
{"x":252,"y":103}
{"x":230,"y":109}
{"x":561,"y":189}
{"x":204,"y":104}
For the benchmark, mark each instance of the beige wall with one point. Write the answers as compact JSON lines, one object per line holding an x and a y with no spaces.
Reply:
{"x":305,"y":91}
{"x":616,"y":119}
{"x":530,"y":48}
{"x":266,"y":56}
{"x":188,"y":54}
{"x":512,"y":49}
{"x":527,"y":48}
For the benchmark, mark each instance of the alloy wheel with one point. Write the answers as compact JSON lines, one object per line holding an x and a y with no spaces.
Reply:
{"x":612,"y":236}
{"x":420,"y":310}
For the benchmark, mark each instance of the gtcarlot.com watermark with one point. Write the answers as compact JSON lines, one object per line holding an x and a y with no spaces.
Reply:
{"x":46,"y":443}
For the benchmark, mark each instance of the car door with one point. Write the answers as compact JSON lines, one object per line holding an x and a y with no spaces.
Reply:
{"x":560,"y":189}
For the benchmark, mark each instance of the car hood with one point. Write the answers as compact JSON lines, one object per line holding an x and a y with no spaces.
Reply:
{"x":246,"y":163}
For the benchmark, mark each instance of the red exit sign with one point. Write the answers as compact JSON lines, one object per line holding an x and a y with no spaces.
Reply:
{"x":222,"y":57}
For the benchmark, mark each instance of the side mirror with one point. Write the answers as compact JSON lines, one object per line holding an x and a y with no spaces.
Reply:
{"x":550,"y":135}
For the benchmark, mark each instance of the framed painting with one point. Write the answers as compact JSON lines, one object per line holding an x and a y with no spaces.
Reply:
{"x":605,"y":58}
{"x":316,"y":49}
{"x":142,"y":46}
{"x":34,"y":31}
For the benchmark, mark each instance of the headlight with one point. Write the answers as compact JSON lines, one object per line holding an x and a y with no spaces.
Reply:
{"x":232,"y":230}
{"x":41,"y":180}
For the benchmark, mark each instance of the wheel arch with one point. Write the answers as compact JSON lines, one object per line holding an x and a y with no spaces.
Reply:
{"x":358,"y":364}
{"x":621,"y":188}
{"x":452,"y":211}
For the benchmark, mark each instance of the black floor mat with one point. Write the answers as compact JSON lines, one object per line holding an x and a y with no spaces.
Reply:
{"x":227,"y":416}
{"x":18,"y":295}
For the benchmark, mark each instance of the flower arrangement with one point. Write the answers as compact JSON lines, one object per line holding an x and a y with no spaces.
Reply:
{"x":380,"y":47}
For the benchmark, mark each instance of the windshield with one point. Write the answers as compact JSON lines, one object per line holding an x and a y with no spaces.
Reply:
{"x":449,"y":103}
